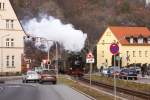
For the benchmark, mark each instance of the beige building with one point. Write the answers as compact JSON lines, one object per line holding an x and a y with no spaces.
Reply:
{"x":11,"y":39}
{"x":134,"y":44}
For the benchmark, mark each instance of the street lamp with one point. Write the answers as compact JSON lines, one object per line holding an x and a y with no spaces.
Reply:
{"x":56,"y":55}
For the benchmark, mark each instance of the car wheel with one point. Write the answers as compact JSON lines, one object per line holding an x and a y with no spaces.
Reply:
{"x":135,"y":78}
{"x":40,"y":82}
{"x":54,"y":82}
{"x":125,"y":77}
{"x":2,"y":81}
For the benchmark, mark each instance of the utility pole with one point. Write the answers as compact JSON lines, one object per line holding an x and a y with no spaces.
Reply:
{"x":56,"y":60}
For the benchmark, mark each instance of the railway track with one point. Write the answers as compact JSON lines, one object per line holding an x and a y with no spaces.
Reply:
{"x":145,"y":96}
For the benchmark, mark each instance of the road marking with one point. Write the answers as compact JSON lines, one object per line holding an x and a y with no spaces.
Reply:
{"x":90,"y":97}
{"x":13,"y":86}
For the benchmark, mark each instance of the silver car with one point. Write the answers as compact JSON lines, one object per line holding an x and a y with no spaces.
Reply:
{"x":31,"y":76}
{"x":105,"y":72}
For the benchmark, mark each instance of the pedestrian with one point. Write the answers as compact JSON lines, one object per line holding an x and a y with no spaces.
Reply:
{"x":148,"y":70}
{"x":142,"y":70}
{"x":101,"y":69}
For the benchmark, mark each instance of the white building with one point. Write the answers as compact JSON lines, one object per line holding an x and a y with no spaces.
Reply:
{"x":11,"y":39}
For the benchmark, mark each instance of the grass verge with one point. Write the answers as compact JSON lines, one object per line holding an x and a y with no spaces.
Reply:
{"x":91,"y":92}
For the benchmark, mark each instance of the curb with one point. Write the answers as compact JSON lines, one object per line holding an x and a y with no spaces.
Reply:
{"x":10,"y":78}
{"x":90,"y":97}
{"x":99,"y":90}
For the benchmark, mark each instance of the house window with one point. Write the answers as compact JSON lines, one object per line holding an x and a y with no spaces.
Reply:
{"x":140,"y":40}
{"x":133,"y":53}
{"x":131,"y":40}
{"x":102,"y":53}
{"x":7,"y":61}
{"x":7,"y":23}
{"x":127,"y":53}
{"x":7,"y":42}
{"x":13,"y":61}
{"x":146,"y":52}
{"x":140,"y":54}
{"x":103,"y":42}
{"x":148,"y":40}
{"x":12,"y":42}
{"x":3,"y":6}
{"x":12,"y":24}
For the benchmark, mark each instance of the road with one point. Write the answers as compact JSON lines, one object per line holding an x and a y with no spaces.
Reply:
{"x":15,"y":90}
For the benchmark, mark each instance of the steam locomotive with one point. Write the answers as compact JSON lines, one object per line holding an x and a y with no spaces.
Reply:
{"x":76,"y":64}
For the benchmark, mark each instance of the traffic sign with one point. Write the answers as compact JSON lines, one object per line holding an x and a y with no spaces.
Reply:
{"x":44,"y":61}
{"x":114,"y":48}
{"x":89,"y":58}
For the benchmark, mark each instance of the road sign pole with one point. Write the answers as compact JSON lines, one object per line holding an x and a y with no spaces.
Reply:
{"x":90,"y":73}
{"x":90,"y":60}
{"x":114,"y":78}
{"x":114,"y":49}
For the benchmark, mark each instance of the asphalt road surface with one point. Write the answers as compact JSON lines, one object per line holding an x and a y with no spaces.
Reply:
{"x":15,"y":90}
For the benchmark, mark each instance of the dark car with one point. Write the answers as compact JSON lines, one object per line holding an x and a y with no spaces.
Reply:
{"x":48,"y":76}
{"x":2,"y":81}
{"x":138,"y":69}
{"x":113,"y":71}
{"x":128,"y":74}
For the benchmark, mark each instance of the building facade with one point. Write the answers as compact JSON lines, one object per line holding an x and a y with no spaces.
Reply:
{"x":11,"y":39}
{"x":134,"y":46}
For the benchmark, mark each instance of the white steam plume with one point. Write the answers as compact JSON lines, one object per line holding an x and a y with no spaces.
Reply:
{"x":53,"y":29}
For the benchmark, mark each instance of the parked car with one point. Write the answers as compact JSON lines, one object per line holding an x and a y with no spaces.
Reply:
{"x":138,"y":69}
{"x":105,"y":72}
{"x":30,"y":76}
{"x":114,"y":71}
{"x":48,"y":76}
{"x":128,"y":74}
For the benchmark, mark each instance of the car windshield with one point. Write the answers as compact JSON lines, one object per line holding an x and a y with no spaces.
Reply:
{"x":51,"y":72}
{"x":31,"y":72}
{"x":114,"y":69}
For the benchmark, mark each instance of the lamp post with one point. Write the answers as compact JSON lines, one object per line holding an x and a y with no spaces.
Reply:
{"x":2,"y":52}
{"x":56,"y":60}
{"x":56,"y":54}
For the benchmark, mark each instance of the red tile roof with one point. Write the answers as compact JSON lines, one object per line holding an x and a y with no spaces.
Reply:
{"x":122,"y":32}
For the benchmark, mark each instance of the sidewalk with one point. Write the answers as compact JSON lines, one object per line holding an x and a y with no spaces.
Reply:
{"x":145,"y":77}
{"x":10,"y":77}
